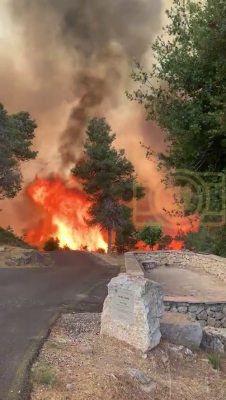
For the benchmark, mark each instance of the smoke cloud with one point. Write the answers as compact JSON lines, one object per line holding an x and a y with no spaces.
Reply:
{"x":66,"y":61}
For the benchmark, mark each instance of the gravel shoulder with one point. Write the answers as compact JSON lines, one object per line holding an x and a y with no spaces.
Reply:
{"x":76,"y":363}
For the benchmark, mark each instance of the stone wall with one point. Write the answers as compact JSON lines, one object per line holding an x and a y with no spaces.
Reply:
{"x":208,"y":314}
{"x":209,"y":263}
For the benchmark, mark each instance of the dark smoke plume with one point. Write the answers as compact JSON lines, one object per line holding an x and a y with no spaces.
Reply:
{"x":97,"y":39}
{"x":65,"y":61}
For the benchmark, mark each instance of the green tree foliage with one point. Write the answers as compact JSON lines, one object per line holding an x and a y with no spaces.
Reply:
{"x":52,"y":244}
{"x":16,"y":135}
{"x":185,"y":92}
{"x":107,"y":177}
{"x":125,"y":239}
{"x":205,"y":240}
{"x":8,"y":237}
{"x":150,"y":234}
{"x":165,"y":242}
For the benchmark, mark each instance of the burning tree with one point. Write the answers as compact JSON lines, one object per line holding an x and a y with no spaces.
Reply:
{"x":107,"y":177}
{"x":16,"y":135}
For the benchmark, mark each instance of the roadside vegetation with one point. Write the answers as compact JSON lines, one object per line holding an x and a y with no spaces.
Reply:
{"x":8,"y":237}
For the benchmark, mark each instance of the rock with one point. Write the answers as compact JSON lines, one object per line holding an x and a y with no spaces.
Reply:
{"x":192,"y":315}
{"x":149,"y":388}
{"x":2,"y":248}
{"x":218,"y":324}
{"x":224,"y":310}
{"x":193,"y":309}
{"x":188,"y":352}
{"x":200,"y":309}
{"x":145,"y":311}
{"x":180,"y":330}
{"x":146,"y":384}
{"x":219,"y":315}
{"x":218,"y":307}
{"x":214,"y":339}
{"x":210,"y":313}
{"x":165,"y":359}
{"x":202,"y":315}
{"x":174,"y":309}
{"x":69,"y":386}
{"x":182,"y":309}
{"x":211,"y":321}
{"x":139,"y":376}
{"x":203,"y":323}
{"x":150,"y":265}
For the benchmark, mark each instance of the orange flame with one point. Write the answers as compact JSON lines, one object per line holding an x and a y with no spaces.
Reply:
{"x":64,"y":209}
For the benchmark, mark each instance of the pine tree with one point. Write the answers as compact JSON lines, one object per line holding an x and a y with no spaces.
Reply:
{"x":16,"y":136}
{"x":107,"y":177}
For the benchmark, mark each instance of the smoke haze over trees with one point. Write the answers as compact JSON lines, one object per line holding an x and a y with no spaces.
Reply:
{"x":66,"y":61}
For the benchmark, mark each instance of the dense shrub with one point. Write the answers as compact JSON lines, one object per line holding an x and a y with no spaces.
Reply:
{"x":100,"y":250}
{"x":52,"y":244}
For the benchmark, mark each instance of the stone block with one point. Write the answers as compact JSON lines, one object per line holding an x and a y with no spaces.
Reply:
{"x":182,"y":309}
{"x":211,"y":321}
{"x":214,"y":339}
{"x":192,"y":315}
{"x":219,"y":315}
{"x":210,"y":313}
{"x":135,"y":322}
{"x":202,"y":315}
{"x":179,"y":329}
{"x":200,"y":309}
{"x":217,"y":307}
{"x":218,"y":324}
{"x":193,"y":308}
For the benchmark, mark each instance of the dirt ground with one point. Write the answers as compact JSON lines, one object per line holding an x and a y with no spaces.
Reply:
{"x":76,"y":363}
{"x":13,"y":257}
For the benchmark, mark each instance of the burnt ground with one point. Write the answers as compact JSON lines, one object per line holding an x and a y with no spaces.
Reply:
{"x":31,"y":300}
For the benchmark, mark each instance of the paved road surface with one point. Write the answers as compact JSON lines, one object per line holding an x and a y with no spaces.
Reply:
{"x":29,"y":299}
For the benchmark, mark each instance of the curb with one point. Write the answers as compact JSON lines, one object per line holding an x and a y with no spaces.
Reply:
{"x":132,"y":265}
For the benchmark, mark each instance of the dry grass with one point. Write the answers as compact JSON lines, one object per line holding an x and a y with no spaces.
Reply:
{"x":91,"y":367}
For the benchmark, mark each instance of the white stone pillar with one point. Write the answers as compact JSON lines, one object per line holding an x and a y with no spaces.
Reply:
{"x":132,"y":311}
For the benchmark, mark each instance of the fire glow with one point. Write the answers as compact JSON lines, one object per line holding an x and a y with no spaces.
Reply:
{"x":63,"y":210}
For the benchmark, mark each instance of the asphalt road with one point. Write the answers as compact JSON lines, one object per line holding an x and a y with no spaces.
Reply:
{"x":29,"y":300}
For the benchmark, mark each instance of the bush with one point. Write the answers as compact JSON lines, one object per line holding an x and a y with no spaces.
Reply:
{"x":150,"y":234}
{"x":52,"y":244}
{"x":100,"y":250}
{"x":8,"y":237}
{"x":66,"y":247}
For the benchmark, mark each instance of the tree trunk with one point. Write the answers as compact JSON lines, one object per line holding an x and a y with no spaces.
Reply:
{"x":109,"y":240}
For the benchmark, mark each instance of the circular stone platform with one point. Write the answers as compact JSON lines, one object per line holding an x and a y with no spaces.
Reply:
{"x":192,"y":283}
